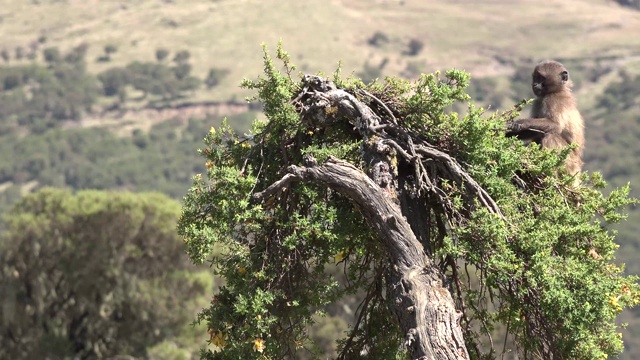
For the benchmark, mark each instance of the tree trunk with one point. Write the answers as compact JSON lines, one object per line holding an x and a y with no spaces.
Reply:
{"x":423,"y":305}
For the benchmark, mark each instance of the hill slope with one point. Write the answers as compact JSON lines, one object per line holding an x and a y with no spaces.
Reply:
{"x":483,"y":37}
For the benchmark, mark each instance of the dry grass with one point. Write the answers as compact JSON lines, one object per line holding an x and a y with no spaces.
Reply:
{"x":483,"y":37}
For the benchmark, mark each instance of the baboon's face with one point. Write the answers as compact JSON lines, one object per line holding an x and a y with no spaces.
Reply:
{"x":549,"y":77}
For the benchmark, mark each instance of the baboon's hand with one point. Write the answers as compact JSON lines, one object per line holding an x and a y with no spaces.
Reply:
{"x":512,"y":126}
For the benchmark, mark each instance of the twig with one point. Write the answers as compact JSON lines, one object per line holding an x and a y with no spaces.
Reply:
{"x":382,"y":104}
{"x":276,"y":186}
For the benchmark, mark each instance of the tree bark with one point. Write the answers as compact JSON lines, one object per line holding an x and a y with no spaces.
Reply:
{"x":397,"y":205}
{"x":423,"y":306}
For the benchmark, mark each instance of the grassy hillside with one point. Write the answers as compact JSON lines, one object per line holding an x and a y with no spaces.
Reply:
{"x":495,"y":40}
{"x":483,"y":37}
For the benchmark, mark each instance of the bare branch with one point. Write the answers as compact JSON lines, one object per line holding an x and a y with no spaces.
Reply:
{"x":275,"y":187}
{"x":423,"y":304}
{"x":462,"y":176}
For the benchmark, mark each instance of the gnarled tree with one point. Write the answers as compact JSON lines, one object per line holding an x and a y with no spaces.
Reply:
{"x":450,"y":232}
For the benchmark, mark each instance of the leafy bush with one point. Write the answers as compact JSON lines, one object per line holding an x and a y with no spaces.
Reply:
{"x":534,"y":258}
{"x":621,"y":95}
{"x":160,"y":160}
{"x":114,"y":81}
{"x":378,"y":39}
{"x":161,"y":54}
{"x":38,"y":97}
{"x":93,"y":275}
{"x":415,"y":46}
{"x":161,"y":80}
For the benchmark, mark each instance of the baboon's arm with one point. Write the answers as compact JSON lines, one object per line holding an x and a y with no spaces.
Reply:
{"x":542,"y":125}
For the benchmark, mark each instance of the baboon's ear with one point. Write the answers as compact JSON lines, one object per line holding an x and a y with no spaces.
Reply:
{"x":565,"y":76}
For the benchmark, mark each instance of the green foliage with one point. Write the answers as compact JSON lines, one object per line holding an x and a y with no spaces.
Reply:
{"x":551,"y":268}
{"x":544,"y":272}
{"x":162,"y":80}
{"x":114,"y":81}
{"x":621,"y":95}
{"x":159,"y":160}
{"x":162,"y":54}
{"x":255,"y":308}
{"x":37,"y":97}
{"x":94,"y":275}
{"x":152,"y":78}
{"x":52,"y":55}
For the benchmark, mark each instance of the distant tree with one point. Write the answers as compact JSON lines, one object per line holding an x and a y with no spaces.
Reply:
{"x":76,"y":57}
{"x":161,"y":54}
{"x":122,"y":95}
{"x":629,"y":3}
{"x":188,"y":84}
{"x":140,"y":138}
{"x":93,"y":275}
{"x":4,"y":54}
{"x":372,"y":72}
{"x":214,"y":77}
{"x":11,"y":78}
{"x":113,"y":80}
{"x":162,"y":80}
{"x":19,"y":53}
{"x":60,"y":91}
{"x":52,"y":55}
{"x":415,"y":47}
{"x":182,"y":71}
{"x":182,"y":56}
{"x":110,"y":49}
{"x":621,"y":95}
{"x":449,"y":229}
{"x":378,"y":39}
{"x":150,"y":78}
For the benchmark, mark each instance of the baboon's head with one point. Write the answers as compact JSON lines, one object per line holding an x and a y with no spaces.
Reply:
{"x":549,"y":77}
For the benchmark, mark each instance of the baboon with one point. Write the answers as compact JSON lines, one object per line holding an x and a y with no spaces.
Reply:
{"x":555,"y":121}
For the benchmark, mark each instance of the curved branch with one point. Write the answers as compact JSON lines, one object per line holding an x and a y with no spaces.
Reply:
{"x":324,"y":104}
{"x":459,"y":175}
{"x":421,"y":302}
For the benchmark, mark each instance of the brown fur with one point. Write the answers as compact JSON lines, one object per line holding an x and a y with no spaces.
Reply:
{"x":555,"y":121}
